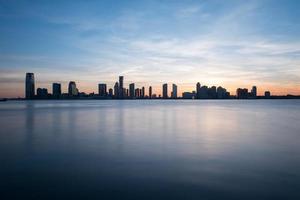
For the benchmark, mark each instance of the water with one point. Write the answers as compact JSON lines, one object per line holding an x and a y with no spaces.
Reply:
{"x":150,"y":149}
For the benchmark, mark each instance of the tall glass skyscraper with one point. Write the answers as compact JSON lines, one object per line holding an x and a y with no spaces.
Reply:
{"x":29,"y":86}
{"x":165,"y":91}
{"x":121,"y":92}
{"x":174,"y":91}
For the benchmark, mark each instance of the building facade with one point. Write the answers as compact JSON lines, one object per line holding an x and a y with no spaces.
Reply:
{"x":29,"y":86}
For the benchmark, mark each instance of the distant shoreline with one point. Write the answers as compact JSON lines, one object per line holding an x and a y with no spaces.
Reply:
{"x":113,"y":99}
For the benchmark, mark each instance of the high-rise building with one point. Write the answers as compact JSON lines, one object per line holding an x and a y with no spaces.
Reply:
{"x":143,"y":92}
{"x":29,"y":86}
{"x":42,"y":93}
{"x":150,"y":92}
{"x":110,"y":92}
{"x":116,"y":90}
{"x":137,"y":92}
{"x":203,"y":94}
{"x":198,"y":87}
{"x":72,"y":90}
{"x":131,"y":90}
{"x":56,"y":90}
{"x":221,"y":93}
{"x":254,"y":92}
{"x":121,"y":89}
{"x":102,"y":89}
{"x":165,"y":91}
{"x":242,"y":93}
{"x":174,"y":91}
{"x":212,"y":92}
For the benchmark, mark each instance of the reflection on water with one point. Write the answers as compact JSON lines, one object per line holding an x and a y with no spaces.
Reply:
{"x":150,"y":149}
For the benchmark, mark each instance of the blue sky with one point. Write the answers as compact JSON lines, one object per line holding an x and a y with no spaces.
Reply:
{"x":233,"y":43}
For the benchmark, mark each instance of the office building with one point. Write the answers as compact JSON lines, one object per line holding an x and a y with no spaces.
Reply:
{"x":137,"y":93}
{"x":56,"y":90}
{"x":116,"y":90}
{"x":131,"y":90}
{"x":143,"y":92}
{"x":198,"y":87}
{"x":254,"y":92}
{"x":72,"y":90}
{"x":165,"y":91}
{"x":110,"y":92}
{"x":267,"y":94}
{"x":29,"y":86}
{"x":121,"y":89}
{"x":212,"y":92}
{"x":174,"y":91}
{"x":102,"y":91}
{"x":150,"y":92}
{"x":242,"y":93}
{"x":42,"y":93}
{"x":221,"y":92}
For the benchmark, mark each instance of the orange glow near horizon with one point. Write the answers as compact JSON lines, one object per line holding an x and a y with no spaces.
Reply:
{"x":17,"y":89}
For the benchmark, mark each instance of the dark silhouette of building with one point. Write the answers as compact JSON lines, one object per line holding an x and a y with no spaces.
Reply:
{"x":198,"y":87}
{"x":204,"y":92}
{"x":42,"y":93}
{"x":267,"y":94}
{"x":150,"y":92}
{"x":116,"y":90}
{"x":29,"y":86}
{"x":254,"y":92}
{"x":189,"y":95}
{"x":121,"y":89}
{"x":72,"y":90}
{"x":137,"y":93}
{"x":165,"y":91}
{"x":56,"y":90}
{"x":102,"y":89}
{"x":242,"y":93}
{"x":110,"y":92}
{"x":221,"y":93}
{"x":143,"y":92}
{"x":131,"y":90}
{"x":174,"y":91}
{"x":212,"y":92}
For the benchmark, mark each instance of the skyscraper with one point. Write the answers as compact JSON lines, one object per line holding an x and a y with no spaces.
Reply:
{"x":56,"y":90}
{"x":150,"y":92}
{"x":42,"y":93}
{"x":116,"y":90}
{"x":131,"y":90}
{"x":102,"y":91}
{"x":174,"y":91}
{"x":110,"y":92}
{"x":143,"y":92}
{"x":29,"y":86}
{"x":165,"y":91}
{"x":254,"y":92}
{"x":121,"y":93}
{"x":198,"y":88}
{"x":72,"y":90}
{"x":137,"y":92}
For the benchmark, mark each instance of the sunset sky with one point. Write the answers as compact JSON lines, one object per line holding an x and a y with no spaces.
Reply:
{"x":230,"y":43}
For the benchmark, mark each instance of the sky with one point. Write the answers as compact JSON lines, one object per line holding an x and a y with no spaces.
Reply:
{"x":232,"y":43}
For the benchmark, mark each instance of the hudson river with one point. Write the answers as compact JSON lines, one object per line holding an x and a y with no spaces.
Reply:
{"x":141,"y":149}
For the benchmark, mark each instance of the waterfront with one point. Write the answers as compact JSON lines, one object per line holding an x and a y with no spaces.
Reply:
{"x":143,"y":149}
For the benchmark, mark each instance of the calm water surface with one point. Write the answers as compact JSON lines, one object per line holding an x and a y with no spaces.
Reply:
{"x":150,"y":149}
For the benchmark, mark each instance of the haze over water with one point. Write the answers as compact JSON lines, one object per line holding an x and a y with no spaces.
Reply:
{"x":150,"y":149}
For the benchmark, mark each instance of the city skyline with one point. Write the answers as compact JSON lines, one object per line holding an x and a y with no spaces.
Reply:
{"x":120,"y":91}
{"x":232,"y":43}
